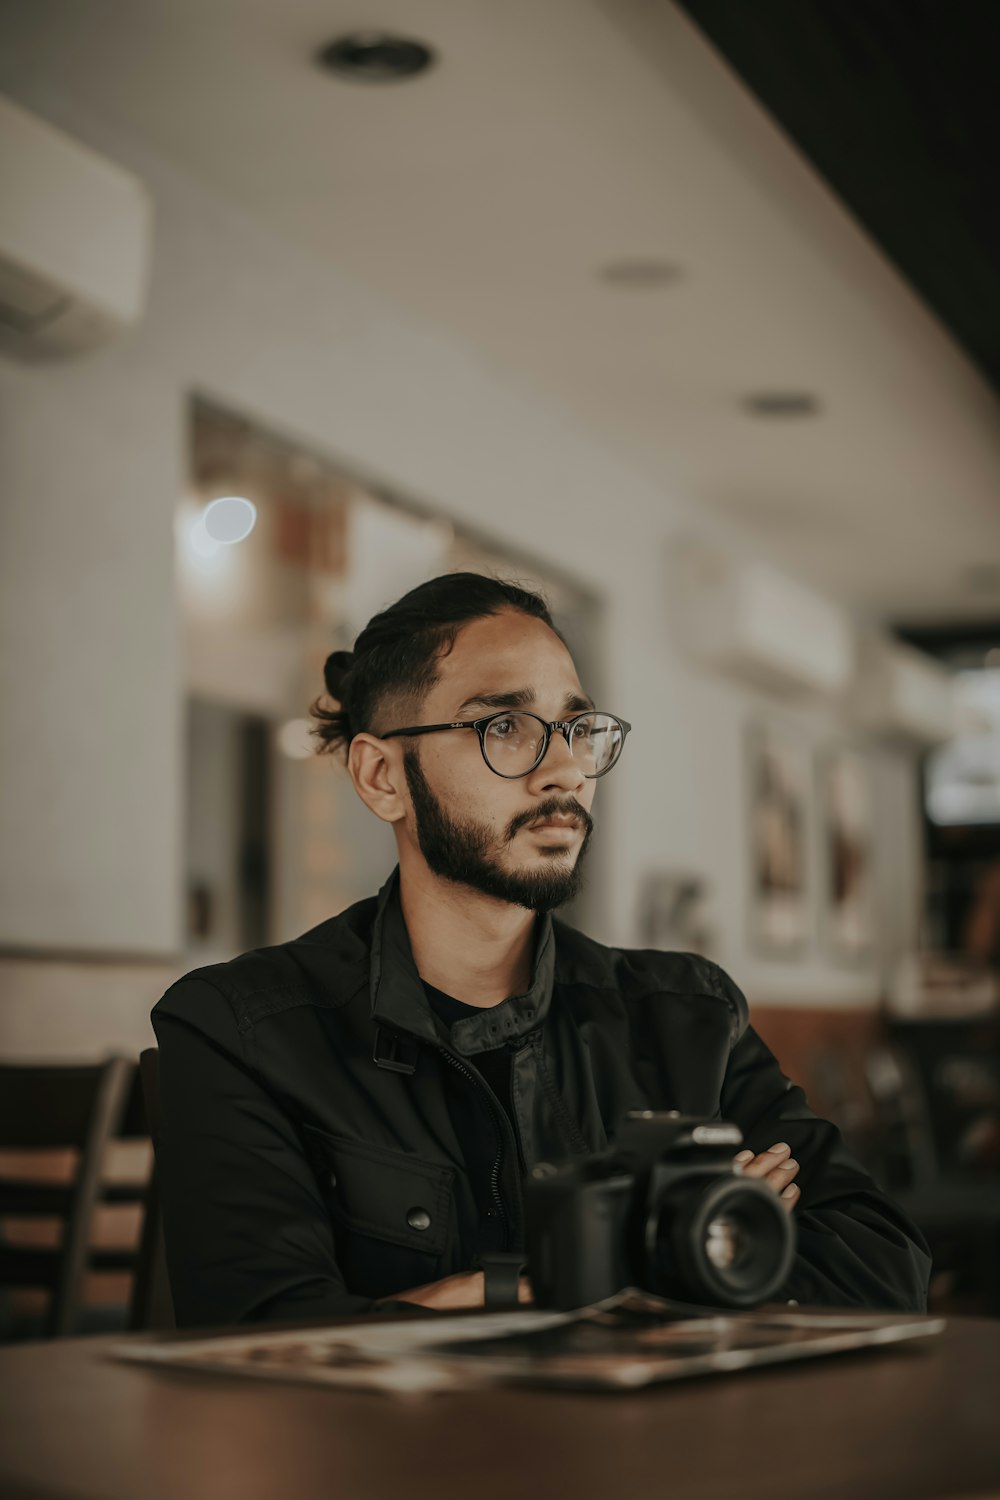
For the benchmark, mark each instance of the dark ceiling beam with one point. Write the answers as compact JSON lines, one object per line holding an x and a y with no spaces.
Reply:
{"x":895,"y":104}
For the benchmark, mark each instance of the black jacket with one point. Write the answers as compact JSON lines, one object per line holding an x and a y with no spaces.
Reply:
{"x":325,"y":1143}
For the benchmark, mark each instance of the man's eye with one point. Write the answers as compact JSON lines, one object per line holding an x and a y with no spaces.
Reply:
{"x":504,"y":728}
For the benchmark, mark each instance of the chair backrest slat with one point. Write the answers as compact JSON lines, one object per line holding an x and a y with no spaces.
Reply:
{"x":46,"y":1106}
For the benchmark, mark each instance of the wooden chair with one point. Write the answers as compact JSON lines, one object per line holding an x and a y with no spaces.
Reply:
{"x":85,"y":1108}
{"x":52,"y":1107}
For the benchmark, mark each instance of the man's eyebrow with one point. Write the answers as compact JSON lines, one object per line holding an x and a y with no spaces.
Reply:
{"x":522,"y":698}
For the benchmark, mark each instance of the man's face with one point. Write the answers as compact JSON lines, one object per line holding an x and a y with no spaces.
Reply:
{"x":521,"y":841}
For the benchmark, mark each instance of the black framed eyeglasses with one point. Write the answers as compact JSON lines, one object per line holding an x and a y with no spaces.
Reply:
{"x":514,"y":743}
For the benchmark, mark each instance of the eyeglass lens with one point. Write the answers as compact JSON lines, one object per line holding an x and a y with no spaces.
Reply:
{"x":513,"y":743}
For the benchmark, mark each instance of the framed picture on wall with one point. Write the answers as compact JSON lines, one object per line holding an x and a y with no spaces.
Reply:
{"x":845,"y":812}
{"x":778,"y":784}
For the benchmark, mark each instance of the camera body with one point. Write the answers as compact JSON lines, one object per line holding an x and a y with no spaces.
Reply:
{"x":666,"y":1209}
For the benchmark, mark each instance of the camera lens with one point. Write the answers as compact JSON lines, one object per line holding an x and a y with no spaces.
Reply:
{"x":729,"y":1244}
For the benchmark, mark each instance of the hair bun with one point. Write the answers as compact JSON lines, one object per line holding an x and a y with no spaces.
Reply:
{"x":335,"y":669}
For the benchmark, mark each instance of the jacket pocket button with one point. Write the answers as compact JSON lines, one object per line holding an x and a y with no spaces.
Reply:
{"x":418,"y":1218}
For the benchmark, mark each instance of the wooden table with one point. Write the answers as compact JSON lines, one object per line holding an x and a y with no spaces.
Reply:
{"x":904,"y":1423}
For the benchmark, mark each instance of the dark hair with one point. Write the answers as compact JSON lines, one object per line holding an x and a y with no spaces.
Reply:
{"x":398,"y":650}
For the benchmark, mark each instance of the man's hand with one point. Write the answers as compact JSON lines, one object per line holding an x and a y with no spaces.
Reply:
{"x":776,"y":1167}
{"x":462,"y":1290}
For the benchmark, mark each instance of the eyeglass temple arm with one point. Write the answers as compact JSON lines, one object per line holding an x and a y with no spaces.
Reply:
{"x":427,"y":729}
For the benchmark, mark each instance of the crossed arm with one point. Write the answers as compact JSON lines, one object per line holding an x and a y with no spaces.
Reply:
{"x":775,"y":1166}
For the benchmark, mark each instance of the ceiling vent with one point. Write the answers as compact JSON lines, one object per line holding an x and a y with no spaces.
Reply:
{"x":376,"y":57}
{"x":781,"y":404}
{"x":74,"y":241}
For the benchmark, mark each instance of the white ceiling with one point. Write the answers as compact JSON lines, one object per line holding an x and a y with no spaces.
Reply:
{"x":551,"y":139}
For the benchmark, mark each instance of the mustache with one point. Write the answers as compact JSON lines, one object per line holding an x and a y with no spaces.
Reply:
{"x":551,"y":808}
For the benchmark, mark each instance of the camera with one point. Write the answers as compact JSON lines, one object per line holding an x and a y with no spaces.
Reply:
{"x":665,"y":1209}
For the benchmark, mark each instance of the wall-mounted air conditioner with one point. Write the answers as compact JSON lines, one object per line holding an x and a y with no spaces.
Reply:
{"x":75,"y":236}
{"x":903,"y":694}
{"x":755,"y":624}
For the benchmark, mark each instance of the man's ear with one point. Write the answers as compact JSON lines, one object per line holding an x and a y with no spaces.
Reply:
{"x":377,"y":773}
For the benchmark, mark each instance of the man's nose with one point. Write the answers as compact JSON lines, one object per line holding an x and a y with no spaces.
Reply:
{"x":558,"y":766}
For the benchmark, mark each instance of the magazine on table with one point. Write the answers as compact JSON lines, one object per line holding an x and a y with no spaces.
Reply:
{"x":631,"y":1340}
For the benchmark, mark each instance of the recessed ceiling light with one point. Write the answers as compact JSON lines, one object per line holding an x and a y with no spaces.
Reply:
{"x":781,"y":404}
{"x":642,"y":275}
{"x":375,"y":56}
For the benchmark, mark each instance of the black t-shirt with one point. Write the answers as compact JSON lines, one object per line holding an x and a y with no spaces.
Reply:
{"x":492,"y":1066}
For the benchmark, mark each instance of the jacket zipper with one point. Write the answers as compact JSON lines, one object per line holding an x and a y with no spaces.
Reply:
{"x":473,"y":1078}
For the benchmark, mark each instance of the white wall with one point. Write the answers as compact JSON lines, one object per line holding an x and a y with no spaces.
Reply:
{"x":92,"y":458}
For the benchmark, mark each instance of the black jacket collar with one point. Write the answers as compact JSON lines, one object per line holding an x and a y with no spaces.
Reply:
{"x":397,"y":994}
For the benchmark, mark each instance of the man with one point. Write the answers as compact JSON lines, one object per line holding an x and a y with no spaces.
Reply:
{"x":347,"y":1118}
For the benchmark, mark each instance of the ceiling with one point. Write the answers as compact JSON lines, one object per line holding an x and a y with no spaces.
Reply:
{"x":486,"y":196}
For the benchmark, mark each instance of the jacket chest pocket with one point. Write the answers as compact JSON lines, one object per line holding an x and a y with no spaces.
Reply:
{"x":392,"y":1214}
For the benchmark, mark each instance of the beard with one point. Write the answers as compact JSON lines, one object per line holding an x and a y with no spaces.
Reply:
{"x":468,"y":853}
